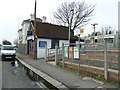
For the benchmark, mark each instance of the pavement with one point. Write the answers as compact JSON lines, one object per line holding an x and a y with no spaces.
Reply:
{"x":61,"y":75}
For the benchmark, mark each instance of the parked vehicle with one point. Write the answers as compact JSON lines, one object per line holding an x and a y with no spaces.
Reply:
{"x":7,"y":52}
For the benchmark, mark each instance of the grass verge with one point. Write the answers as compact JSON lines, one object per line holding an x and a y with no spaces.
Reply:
{"x":93,"y":75}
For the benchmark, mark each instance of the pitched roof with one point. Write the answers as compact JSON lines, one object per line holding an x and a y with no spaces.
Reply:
{"x":47,"y":30}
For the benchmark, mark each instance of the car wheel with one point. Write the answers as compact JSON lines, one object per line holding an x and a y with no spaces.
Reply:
{"x":2,"y":59}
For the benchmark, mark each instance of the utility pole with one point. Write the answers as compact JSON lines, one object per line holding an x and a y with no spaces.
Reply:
{"x":35,"y":36}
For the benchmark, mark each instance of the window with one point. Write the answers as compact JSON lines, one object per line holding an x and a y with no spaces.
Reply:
{"x":7,"y":48}
{"x":54,"y":42}
{"x":109,"y":40}
{"x":96,"y":40}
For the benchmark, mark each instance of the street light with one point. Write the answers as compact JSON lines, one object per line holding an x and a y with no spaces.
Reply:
{"x":94,"y":29}
{"x":79,"y":53}
{"x":69,"y":27}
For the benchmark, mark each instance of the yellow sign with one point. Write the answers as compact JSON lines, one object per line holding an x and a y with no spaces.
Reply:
{"x":92,"y":40}
{"x":81,"y":30}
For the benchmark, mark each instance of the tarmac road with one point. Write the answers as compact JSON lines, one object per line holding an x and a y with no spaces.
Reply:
{"x":0,"y":75}
{"x":13,"y":77}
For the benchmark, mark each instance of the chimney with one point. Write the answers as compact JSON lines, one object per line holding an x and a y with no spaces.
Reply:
{"x":44,"y":18}
{"x":32,"y":17}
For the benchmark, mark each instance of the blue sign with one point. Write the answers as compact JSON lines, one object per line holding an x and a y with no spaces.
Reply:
{"x":42,"y":44}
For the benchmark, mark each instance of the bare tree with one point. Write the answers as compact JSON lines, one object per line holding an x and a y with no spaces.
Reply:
{"x":6,"y":42}
{"x":107,"y":30}
{"x":74,"y":14}
{"x":15,"y":42}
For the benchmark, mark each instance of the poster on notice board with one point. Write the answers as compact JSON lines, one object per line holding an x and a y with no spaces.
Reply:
{"x":70,"y":54}
{"x":76,"y":52}
{"x":66,"y":52}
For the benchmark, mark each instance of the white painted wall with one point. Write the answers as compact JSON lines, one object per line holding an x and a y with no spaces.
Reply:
{"x":24,"y":31}
{"x":41,"y":51}
{"x":20,"y":36}
{"x":63,"y":41}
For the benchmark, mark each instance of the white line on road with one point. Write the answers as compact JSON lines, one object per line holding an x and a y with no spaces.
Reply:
{"x":41,"y":85}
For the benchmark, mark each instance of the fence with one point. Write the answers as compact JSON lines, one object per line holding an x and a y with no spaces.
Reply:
{"x":54,"y":54}
{"x":22,"y":48}
{"x":90,"y":57}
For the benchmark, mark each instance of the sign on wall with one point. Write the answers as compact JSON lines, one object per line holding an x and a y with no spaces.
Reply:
{"x":76,"y":52}
{"x":81,"y":30}
{"x":71,"y":54}
{"x":42,"y":44}
{"x":66,"y":52}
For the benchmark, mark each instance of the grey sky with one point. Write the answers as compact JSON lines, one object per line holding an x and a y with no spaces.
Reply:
{"x":13,"y":12}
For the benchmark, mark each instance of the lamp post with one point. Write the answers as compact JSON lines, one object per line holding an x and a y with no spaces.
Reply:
{"x":69,"y":27}
{"x":94,"y":29}
{"x":79,"y":53}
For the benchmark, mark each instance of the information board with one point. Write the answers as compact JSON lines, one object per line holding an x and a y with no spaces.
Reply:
{"x":76,"y":52}
{"x":42,"y":44}
{"x":70,"y":52}
{"x":66,"y":52}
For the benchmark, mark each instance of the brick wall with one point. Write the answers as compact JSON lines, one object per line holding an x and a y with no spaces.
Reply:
{"x":31,"y":53}
{"x":93,"y":70}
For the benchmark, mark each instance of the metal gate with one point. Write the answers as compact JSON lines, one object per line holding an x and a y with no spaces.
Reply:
{"x":54,"y":54}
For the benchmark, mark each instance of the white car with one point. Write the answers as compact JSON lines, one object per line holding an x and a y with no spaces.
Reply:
{"x":7,"y":52}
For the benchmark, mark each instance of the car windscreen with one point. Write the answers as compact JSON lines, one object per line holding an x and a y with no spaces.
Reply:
{"x":7,"y":48}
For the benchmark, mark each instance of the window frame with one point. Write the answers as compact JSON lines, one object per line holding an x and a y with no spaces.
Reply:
{"x":54,"y":42}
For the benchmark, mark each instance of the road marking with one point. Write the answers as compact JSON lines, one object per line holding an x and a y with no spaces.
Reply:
{"x":89,"y":78}
{"x":41,"y":85}
{"x":100,"y":87}
{"x":100,"y":82}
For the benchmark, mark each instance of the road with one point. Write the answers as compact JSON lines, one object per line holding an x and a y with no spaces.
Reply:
{"x":15,"y":78}
{"x":0,"y":75}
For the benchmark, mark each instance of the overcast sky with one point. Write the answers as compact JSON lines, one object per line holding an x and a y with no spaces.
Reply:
{"x":13,"y":12}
